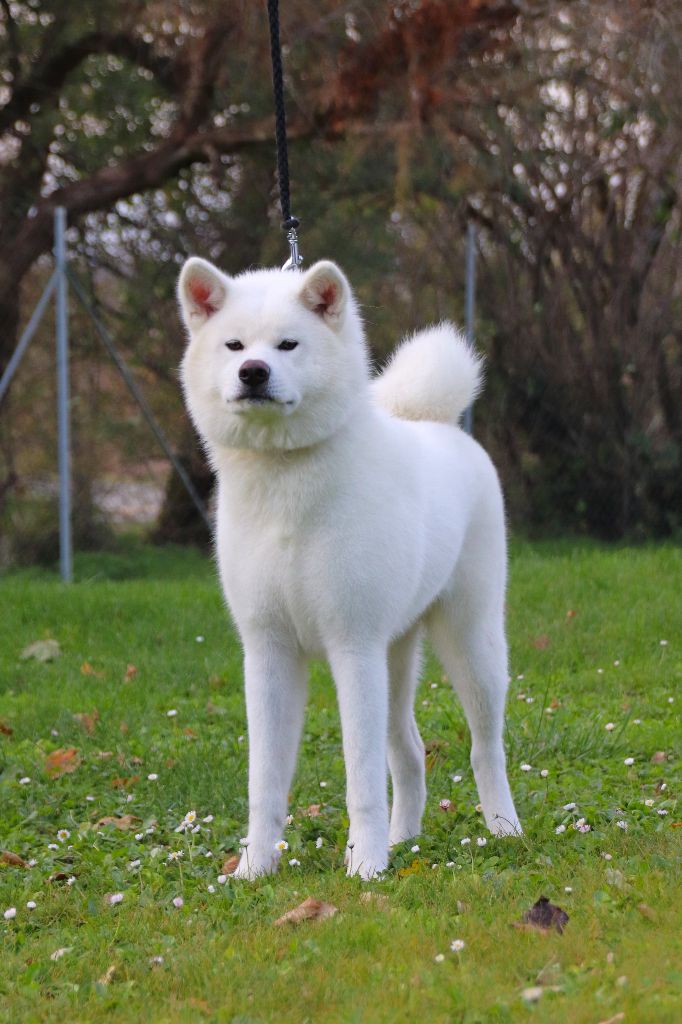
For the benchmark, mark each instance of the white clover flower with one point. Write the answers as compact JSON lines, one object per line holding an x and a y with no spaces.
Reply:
{"x":208,"y":819}
{"x":607,"y":856}
{"x":444,"y":804}
{"x":570,"y":806}
{"x":450,"y":864}
{"x":90,"y":798}
{"x":662,"y":811}
{"x":323,"y":785}
{"x":526,"y":768}
{"x":457,"y":945}
{"x":139,"y":835}
{"x":610,"y":726}
{"x":52,"y":846}
{"x":152,"y":776}
{"x":63,"y":835}
{"x":116,"y":897}
{"x":663,"y":785}
{"x":290,"y":819}
{"x":10,"y":913}
{"x":211,"y":888}
{"x":414,"y":849}
{"x":208,"y":854}
{"x":622,"y":824}
{"x":568,"y":888}
{"x":24,"y":781}
{"x":434,"y":686}
{"x":150,"y":830}
{"x":559,"y":829}
{"x":544,"y":773}
{"x":31,"y":905}
{"x":530,"y":700}
{"x":465,"y":841}
{"x":32,"y":862}
{"x":172,"y":713}
{"x":616,"y":662}
{"x":155,"y":959}
{"x":199,"y":639}
{"x":318,"y":842}
{"x":481,"y":841}
{"x":636,"y":721}
{"x":628,"y":761}
{"x":521,"y":676}
{"x":649,"y":802}
{"x":221,"y":879}
{"x":175,"y":854}
{"x":282,"y":845}
{"x":456,"y":778}
{"x":240,"y":739}
{"x":178,"y":902}
{"x":671,"y":700}
{"x":439,"y":957}
{"x":134,"y":864}
{"x":294,"y":863}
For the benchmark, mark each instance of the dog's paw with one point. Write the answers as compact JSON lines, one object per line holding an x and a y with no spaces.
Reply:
{"x":365,"y":862}
{"x":251,"y":867}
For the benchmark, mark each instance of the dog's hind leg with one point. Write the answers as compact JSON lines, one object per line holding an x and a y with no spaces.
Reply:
{"x":467,"y":633}
{"x":405,"y":747}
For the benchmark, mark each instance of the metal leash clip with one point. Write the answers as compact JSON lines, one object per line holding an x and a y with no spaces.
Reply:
{"x":295,"y":258}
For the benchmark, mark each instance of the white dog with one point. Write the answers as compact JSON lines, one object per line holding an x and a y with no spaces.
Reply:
{"x":353,"y":516}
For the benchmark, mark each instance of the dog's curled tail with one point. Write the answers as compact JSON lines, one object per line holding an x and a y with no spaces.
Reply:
{"x":432,"y":375}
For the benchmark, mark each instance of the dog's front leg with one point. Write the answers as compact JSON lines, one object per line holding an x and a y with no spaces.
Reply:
{"x":275,"y":682}
{"x":361,"y":678}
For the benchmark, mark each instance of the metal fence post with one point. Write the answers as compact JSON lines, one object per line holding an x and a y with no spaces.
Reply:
{"x":469,"y":298}
{"x":63,"y":399}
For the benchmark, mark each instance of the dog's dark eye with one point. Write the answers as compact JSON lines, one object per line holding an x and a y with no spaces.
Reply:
{"x":287,"y":345}
{"x":234,"y":346}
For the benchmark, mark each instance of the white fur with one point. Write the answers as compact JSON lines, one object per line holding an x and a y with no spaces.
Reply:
{"x":347,"y":533}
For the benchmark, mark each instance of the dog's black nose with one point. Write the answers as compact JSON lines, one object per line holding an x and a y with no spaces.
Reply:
{"x":254,"y":372}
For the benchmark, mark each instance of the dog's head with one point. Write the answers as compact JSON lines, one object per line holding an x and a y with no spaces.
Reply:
{"x":275,"y":358}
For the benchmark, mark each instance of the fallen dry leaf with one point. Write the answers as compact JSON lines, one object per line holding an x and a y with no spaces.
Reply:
{"x":313,"y":811}
{"x":41,"y":650}
{"x":88,"y":721}
{"x":62,"y":762}
{"x":309,"y":910}
{"x":230,"y":865}
{"x":108,"y":975}
{"x":13,"y":859}
{"x":646,"y":911}
{"x":189,"y":733}
{"x":131,"y":672}
{"x":125,"y":821}
{"x":6,"y":729}
{"x":125,"y":783}
{"x":105,"y":754}
{"x":541,"y":643}
{"x":676,"y":824}
{"x":136,"y":760}
{"x":571,"y":614}
{"x":659,"y":757}
{"x":88,"y":670}
{"x":614,"y":1020}
{"x":543,"y":916}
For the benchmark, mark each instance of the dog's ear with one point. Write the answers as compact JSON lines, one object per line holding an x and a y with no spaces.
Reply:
{"x":202,"y":290}
{"x":325,"y":291}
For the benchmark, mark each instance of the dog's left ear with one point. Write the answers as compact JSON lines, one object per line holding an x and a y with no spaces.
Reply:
{"x":325,"y":291}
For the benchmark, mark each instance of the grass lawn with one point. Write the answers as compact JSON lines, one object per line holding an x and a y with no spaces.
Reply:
{"x":151,"y":665}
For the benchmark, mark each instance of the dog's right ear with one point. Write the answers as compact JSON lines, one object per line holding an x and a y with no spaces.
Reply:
{"x":202,"y":291}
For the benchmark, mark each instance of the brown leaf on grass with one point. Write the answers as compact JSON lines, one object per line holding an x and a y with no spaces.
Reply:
{"x":230,"y":865}
{"x":544,"y":917}
{"x":41,"y":650}
{"x":647,"y":912}
{"x":87,"y":721}
{"x":130,"y":674}
{"x":313,"y":811}
{"x":614,"y":1020}
{"x":13,"y":859}
{"x":125,"y":783}
{"x":105,"y":754}
{"x":189,"y":733}
{"x":309,"y":910}
{"x":136,"y":760}
{"x":62,"y":762}
{"x":541,"y":643}
{"x":659,"y":757}
{"x":676,"y":824}
{"x":88,"y":670}
{"x":571,"y":614}
{"x":108,"y":975}
{"x":125,"y":821}
{"x":60,"y":876}
{"x":6,"y":729}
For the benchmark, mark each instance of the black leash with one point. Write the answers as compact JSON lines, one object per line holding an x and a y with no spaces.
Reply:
{"x":289,"y":222}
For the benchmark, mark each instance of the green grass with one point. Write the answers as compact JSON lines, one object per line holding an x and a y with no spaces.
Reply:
{"x":223,"y":957}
